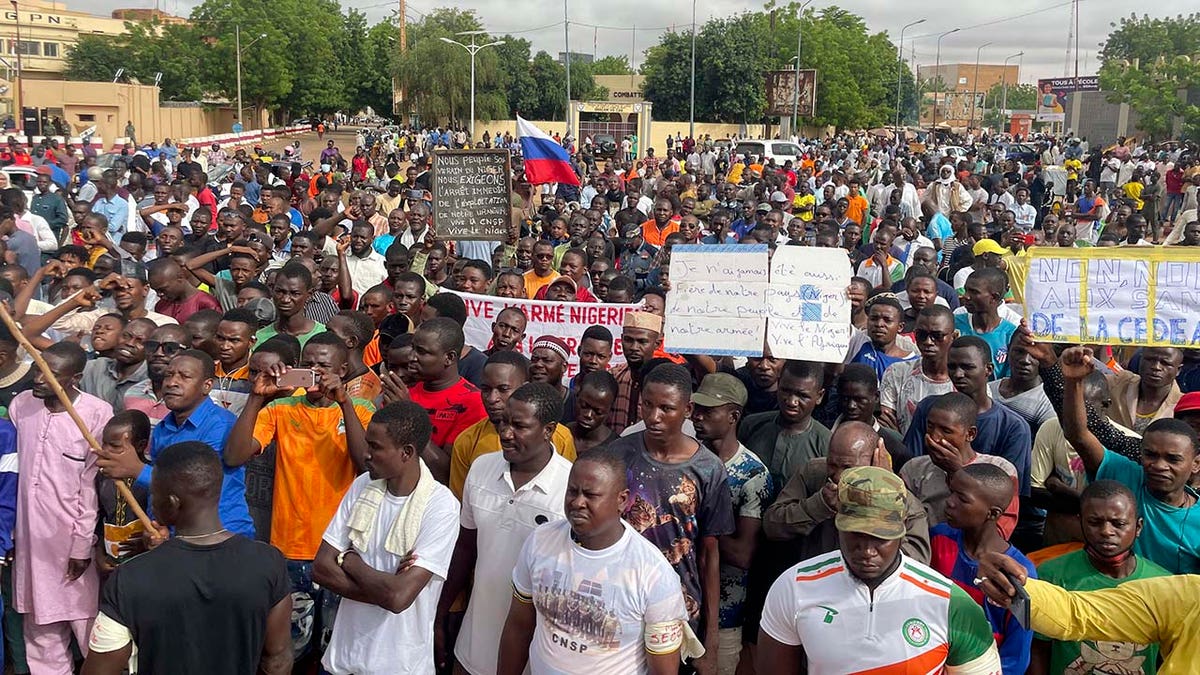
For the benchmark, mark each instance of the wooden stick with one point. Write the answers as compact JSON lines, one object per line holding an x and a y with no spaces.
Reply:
{"x":122,"y":488}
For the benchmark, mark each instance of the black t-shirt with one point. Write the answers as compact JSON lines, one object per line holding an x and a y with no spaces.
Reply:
{"x":185,"y":169}
{"x":758,"y":399}
{"x":198,"y":610}
{"x":470,"y":367}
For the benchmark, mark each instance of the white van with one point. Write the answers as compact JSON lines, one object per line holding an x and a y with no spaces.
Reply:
{"x":780,"y":151}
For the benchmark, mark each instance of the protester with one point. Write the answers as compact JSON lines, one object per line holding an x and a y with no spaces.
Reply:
{"x":1109,"y":523}
{"x":874,"y":591}
{"x":386,"y":552}
{"x":979,"y":494}
{"x":630,"y":623}
{"x":321,"y":432}
{"x":507,"y":495}
{"x":680,"y":500}
{"x":55,"y":585}
{"x":196,"y":617}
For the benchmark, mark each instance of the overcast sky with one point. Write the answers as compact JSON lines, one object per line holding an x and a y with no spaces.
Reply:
{"x":1037,"y":27}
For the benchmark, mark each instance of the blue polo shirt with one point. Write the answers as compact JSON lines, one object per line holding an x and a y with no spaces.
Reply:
{"x":209,"y":424}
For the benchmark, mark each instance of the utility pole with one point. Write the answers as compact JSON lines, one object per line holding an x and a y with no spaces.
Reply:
{"x":975,"y":86}
{"x":692,"y":114}
{"x":900,"y":68}
{"x":19,"y":113}
{"x":937,"y":72}
{"x":796,"y":90}
{"x":237,"y":47}
{"x":1004,"y":81}
{"x":567,"y":58}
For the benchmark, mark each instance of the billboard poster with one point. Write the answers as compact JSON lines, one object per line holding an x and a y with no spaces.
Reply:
{"x":781,"y":91}
{"x":1052,"y":95}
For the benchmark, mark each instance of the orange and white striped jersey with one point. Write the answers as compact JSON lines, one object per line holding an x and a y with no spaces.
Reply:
{"x":916,"y":622}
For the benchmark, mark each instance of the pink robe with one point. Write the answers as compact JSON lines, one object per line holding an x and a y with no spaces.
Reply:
{"x":57,"y":509}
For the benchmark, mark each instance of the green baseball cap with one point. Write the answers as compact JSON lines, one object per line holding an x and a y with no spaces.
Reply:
{"x":718,"y":389}
{"x":872,"y":500}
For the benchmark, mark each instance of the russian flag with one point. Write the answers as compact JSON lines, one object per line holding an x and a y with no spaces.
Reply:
{"x":545,"y":160}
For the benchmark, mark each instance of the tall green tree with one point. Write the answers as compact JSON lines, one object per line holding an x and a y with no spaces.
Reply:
{"x":97,"y":58}
{"x":668,"y":77}
{"x":513,"y":58}
{"x":856,"y":78}
{"x":436,"y":75}
{"x":1020,"y":97}
{"x":1147,"y":62}
{"x":610,"y":65}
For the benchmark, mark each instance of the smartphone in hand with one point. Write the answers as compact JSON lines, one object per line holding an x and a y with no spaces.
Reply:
{"x":297,"y":378}
{"x":1020,"y":602}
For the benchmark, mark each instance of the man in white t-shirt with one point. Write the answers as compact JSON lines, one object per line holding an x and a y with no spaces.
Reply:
{"x":387,"y":552}
{"x":507,"y":495}
{"x":590,"y":594}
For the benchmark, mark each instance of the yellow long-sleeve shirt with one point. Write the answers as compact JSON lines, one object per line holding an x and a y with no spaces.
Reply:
{"x":1161,"y":610}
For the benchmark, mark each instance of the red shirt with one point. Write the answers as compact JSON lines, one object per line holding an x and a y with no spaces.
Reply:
{"x":180,"y":311}
{"x":206,"y":198}
{"x":581,"y":295}
{"x":450,"y":410}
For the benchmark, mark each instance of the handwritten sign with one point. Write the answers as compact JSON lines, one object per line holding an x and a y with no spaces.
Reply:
{"x":471,"y":196}
{"x":717,"y":303}
{"x":808,"y":313}
{"x":1115,"y":296}
{"x":567,"y":320}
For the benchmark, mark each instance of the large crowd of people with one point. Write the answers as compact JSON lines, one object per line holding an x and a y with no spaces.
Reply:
{"x":274,"y":367}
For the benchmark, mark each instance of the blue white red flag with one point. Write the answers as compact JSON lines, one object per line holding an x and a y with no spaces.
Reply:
{"x":546,"y":160}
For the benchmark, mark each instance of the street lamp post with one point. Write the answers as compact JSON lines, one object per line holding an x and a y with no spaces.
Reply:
{"x":937,"y":72}
{"x":975,"y":85}
{"x":900,"y":67}
{"x":237,"y":40}
{"x":474,"y":49}
{"x":796,"y":89}
{"x":1004,"y":82}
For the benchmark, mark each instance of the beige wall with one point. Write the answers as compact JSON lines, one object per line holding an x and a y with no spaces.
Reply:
{"x":109,"y":106}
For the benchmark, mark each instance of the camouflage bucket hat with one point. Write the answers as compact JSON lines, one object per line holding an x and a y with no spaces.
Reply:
{"x":871,"y":501}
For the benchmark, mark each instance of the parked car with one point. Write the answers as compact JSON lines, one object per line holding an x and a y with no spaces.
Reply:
{"x":780,"y":151}
{"x":22,"y":177}
{"x":1021,"y":152}
{"x":605,"y":146}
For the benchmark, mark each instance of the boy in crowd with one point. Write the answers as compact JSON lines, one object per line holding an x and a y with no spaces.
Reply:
{"x":979,"y":493}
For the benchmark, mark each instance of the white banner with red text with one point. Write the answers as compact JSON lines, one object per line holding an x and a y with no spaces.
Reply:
{"x":567,"y":320}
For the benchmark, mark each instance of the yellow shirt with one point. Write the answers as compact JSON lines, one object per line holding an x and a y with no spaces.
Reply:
{"x":1160,"y":610}
{"x":1016,"y":267}
{"x":735,"y":172}
{"x":804,"y":201}
{"x":1133,"y":191}
{"x":481,"y":438}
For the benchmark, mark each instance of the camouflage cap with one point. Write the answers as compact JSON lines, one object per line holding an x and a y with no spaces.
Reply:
{"x":871,"y":500}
